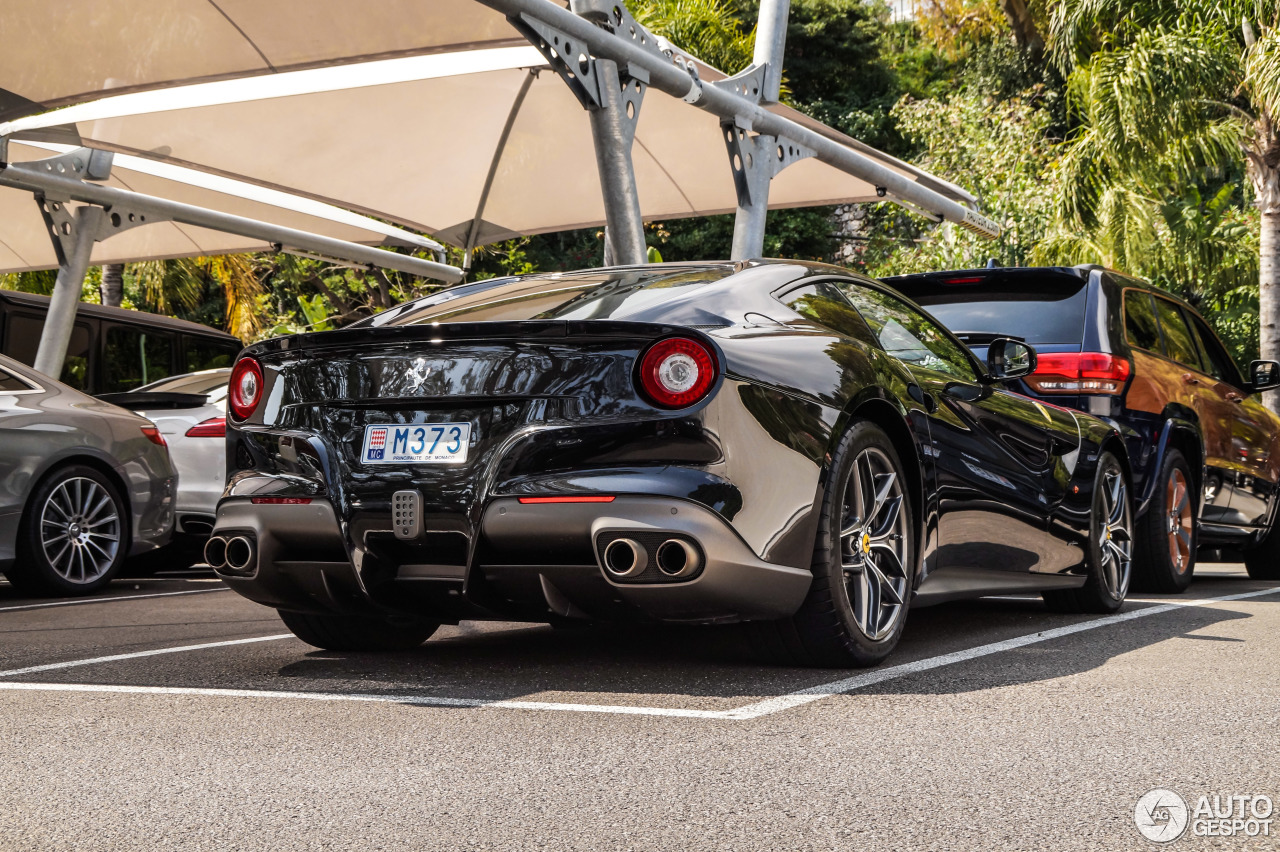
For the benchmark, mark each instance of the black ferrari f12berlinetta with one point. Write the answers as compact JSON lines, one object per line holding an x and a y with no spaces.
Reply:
{"x":780,"y":443}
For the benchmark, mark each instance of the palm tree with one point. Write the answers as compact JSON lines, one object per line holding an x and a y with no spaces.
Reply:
{"x":170,"y":286}
{"x":1171,"y":94}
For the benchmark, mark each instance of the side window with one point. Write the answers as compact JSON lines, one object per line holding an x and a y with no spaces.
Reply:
{"x":824,"y":304}
{"x":201,"y":354}
{"x":10,"y":383}
{"x":135,"y":358}
{"x":908,"y":335}
{"x":1140,"y":321}
{"x":1218,"y":362}
{"x":1178,"y":343}
{"x":23,"y":341}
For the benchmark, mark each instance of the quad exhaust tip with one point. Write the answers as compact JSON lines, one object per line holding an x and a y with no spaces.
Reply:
{"x":239,"y":553}
{"x":624,"y":557}
{"x":678,"y":558}
{"x":215,"y":552}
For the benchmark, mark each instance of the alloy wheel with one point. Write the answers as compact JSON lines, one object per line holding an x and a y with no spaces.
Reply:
{"x":873,"y":545}
{"x":1115,"y":540}
{"x":1178,"y":501}
{"x":80,"y":530}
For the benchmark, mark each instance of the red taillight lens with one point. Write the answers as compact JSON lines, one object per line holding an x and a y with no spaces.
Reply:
{"x":214,"y":427}
{"x":280,"y":501}
{"x":570,"y":498}
{"x":245,"y":390}
{"x":153,"y":435}
{"x":1079,"y":372}
{"x":677,"y":372}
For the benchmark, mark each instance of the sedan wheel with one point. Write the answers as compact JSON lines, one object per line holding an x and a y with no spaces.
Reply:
{"x":73,"y":537}
{"x":1109,"y":561}
{"x":873,"y":545}
{"x":864,"y":562}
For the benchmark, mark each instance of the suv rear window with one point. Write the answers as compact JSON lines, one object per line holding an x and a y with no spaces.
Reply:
{"x":1039,"y":310}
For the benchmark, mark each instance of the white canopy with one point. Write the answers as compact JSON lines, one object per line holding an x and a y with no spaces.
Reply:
{"x":439,"y":142}
{"x":25,"y":243}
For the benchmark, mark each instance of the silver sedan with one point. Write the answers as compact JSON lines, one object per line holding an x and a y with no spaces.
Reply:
{"x":83,"y":485}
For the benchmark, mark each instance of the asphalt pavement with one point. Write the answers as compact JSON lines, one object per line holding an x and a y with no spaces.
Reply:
{"x":169,"y":713}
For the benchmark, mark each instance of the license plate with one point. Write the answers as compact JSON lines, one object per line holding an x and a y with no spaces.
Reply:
{"x":430,"y":443}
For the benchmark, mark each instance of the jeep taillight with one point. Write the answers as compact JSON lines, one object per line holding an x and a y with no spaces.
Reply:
{"x":1079,"y":372}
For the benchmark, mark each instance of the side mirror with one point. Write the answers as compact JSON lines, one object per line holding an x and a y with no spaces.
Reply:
{"x":1264,"y":375}
{"x":1009,"y":359}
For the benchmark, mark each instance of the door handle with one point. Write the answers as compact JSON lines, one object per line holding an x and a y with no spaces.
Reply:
{"x":1190,"y":379}
{"x":1236,"y":398}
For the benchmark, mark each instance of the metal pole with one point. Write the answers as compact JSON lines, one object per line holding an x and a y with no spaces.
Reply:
{"x":624,"y":228}
{"x":22,"y":176}
{"x":771,"y":44}
{"x":61,"y":318}
{"x":613,"y":132}
{"x":665,"y":76}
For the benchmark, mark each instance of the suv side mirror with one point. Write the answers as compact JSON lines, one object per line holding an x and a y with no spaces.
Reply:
{"x":1264,"y":375}
{"x":1011,"y":359}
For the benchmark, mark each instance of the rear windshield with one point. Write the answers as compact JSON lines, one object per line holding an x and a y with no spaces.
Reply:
{"x":613,"y":294}
{"x":1039,"y":311}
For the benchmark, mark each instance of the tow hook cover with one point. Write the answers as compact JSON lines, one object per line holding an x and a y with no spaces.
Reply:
{"x":406,"y":515}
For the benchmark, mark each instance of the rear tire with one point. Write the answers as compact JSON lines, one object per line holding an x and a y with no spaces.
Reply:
{"x":863,"y":568}
{"x":74,"y":534}
{"x":353,"y":633}
{"x":1167,"y":535}
{"x":1262,"y":561}
{"x":1110,"y":546}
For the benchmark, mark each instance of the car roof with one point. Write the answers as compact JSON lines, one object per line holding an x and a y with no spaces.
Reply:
{"x":34,"y":300}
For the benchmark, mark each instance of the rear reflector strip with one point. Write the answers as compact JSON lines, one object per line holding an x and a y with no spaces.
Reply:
{"x":280,"y":501}
{"x":589,"y":498}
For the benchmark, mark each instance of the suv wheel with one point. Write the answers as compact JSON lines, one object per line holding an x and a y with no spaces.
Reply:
{"x":1167,"y":533}
{"x":74,"y":534}
{"x":1110,"y":546}
{"x":1262,"y":561}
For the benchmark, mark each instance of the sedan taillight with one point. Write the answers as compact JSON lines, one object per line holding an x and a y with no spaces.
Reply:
{"x":1079,"y":372}
{"x":677,"y":372}
{"x":214,"y":427}
{"x":153,"y":435}
{"x":244,"y":391}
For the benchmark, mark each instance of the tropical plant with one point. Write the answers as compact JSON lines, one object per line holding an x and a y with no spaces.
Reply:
{"x":1172,"y":94}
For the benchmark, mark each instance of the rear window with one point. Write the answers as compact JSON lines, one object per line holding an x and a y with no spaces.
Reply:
{"x":616,"y":294}
{"x":1048,"y":310}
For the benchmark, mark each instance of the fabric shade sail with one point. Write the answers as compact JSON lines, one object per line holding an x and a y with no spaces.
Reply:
{"x":471,"y":147}
{"x":25,"y":242}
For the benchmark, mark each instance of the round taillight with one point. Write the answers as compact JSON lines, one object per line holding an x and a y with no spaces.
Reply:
{"x":677,"y":372}
{"x":245,"y":389}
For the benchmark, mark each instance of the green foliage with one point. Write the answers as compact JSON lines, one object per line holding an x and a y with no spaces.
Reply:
{"x":708,"y":29}
{"x":1004,"y":152}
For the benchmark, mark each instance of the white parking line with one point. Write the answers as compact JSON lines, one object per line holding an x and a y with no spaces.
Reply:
{"x":70,"y":664}
{"x":81,"y":601}
{"x":748,"y":711}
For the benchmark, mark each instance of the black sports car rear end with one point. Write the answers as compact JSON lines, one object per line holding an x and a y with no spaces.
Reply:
{"x":655,"y":442}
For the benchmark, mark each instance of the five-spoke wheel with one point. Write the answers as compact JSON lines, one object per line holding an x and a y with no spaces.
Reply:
{"x":1109,"y":554}
{"x":873,"y":545}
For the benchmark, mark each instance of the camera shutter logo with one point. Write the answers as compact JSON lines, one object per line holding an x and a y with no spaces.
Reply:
{"x":1162,"y":815}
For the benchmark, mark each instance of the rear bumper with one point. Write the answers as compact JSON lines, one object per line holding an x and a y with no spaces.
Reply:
{"x":518,"y":569}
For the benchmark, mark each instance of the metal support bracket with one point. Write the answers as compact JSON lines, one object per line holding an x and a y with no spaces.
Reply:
{"x":571,"y":61}
{"x":756,"y":158}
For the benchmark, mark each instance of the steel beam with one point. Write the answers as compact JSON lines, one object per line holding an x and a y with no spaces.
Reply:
{"x":771,"y":44}
{"x":61,"y":318}
{"x":27,"y":176}
{"x":669,"y":73}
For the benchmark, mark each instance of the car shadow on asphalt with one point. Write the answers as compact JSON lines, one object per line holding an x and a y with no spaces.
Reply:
{"x":497,"y":662}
